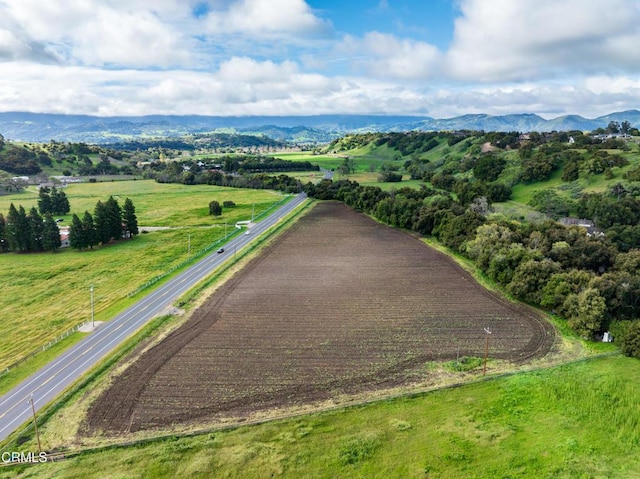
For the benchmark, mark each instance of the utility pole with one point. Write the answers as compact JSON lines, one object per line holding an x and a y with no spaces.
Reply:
{"x":35,"y":423}
{"x":189,"y":245}
{"x":486,"y":350}
{"x":93,"y":322}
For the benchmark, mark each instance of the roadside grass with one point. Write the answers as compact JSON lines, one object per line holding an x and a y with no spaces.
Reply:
{"x":556,"y":422}
{"x":61,"y":421}
{"x":47,"y":294}
{"x":34,"y":363}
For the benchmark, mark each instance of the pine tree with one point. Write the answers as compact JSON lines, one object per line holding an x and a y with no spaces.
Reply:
{"x":129,"y":217}
{"x":44,"y":200}
{"x":51,"y":238}
{"x":114,"y":215}
{"x":36,"y":230}
{"x":18,"y":229}
{"x":4,"y":245}
{"x":59,"y":202}
{"x":101,"y":222}
{"x":89,"y":230}
{"x":77,"y":238}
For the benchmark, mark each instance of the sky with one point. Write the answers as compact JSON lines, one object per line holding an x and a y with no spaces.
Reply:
{"x":437,"y":58}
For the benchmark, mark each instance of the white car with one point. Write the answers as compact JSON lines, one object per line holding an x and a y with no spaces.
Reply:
{"x":247,"y":233}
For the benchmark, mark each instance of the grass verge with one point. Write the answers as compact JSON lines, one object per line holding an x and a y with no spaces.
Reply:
{"x":556,"y":422}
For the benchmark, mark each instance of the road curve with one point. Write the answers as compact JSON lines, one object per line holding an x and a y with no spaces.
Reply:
{"x":47,"y":383}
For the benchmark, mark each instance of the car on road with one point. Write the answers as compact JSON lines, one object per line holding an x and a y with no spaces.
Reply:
{"x":221,"y":250}
{"x":247,"y":233}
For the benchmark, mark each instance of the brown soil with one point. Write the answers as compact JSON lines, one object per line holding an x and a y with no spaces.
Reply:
{"x":338,"y":304}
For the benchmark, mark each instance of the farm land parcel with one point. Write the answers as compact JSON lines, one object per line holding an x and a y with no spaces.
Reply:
{"x":338,"y":304}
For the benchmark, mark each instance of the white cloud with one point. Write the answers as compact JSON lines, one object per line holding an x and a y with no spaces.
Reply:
{"x":517,"y":40}
{"x":386,"y":56}
{"x":100,"y":33}
{"x":266,"y":18}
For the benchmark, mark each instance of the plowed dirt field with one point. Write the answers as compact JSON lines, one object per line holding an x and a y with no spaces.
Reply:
{"x":338,"y":304}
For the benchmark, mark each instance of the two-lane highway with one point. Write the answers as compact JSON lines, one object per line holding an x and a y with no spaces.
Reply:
{"x":54,"y":378}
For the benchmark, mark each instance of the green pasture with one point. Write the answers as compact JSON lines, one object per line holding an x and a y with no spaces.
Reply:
{"x":579,"y":420}
{"x":46,"y":294}
{"x":157,"y":204}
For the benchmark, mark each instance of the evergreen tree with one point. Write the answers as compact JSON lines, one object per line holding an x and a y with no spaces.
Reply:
{"x":12,"y":229}
{"x":114,"y":215}
{"x":101,"y":222}
{"x":214,"y":208}
{"x":59,"y":202}
{"x":18,"y":229}
{"x":89,"y":230}
{"x":36,"y":230}
{"x":77,"y":238}
{"x":44,"y":200}
{"x":129,"y":217}
{"x":4,"y":245}
{"x":51,"y":238}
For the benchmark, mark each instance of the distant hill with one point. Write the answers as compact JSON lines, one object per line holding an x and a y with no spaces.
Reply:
{"x":43,"y":127}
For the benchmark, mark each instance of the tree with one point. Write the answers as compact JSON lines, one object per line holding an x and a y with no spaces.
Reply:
{"x":4,"y":246}
{"x":625,"y":127}
{"x":530,"y":278}
{"x":586,"y":312}
{"x":101,"y":221}
{"x":129,"y":217}
{"x":59,"y":202}
{"x":76,"y":234}
{"x":89,"y":231}
{"x":114,"y":218}
{"x":36,"y":230}
{"x":537,"y":168}
{"x":627,"y":335}
{"x":18,"y":229}
{"x":347,"y":166}
{"x":488,"y":167}
{"x":613,"y":127}
{"x":44,"y":200}
{"x":214,"y":208}
{"x":51,"y":234}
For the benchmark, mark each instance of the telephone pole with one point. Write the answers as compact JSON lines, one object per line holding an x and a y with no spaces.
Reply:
{"x":35,"y":423}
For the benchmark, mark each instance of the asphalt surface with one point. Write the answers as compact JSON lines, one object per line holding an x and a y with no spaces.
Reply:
{"x":46,"y":384}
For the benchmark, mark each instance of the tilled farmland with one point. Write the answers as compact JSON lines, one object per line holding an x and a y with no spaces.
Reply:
{"x":339,"y":304}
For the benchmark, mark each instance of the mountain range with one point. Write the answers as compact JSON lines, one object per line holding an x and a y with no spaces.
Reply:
{"x":43,"y":127}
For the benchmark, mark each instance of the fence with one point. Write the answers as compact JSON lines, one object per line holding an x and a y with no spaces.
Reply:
{"x":146,"y":285}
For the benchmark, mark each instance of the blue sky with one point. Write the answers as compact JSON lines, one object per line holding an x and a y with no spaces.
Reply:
{"x":438,"y":58}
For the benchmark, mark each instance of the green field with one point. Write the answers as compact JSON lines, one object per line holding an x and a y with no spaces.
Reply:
{"x":46,"y":294}
{"x":574,"y":421}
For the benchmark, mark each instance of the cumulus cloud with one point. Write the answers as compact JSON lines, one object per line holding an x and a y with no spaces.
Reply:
{"x":99,"y":33}
{"x":517,"y":40}
{"x":384,"y":55}
{"x":266,"y":18}
{"x":280,"y":57}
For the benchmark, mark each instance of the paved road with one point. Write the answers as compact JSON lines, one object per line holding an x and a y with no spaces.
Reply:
{"x":51,"y":380}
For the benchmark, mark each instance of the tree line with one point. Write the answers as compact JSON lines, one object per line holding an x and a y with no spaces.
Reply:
{"x":23,"y":232}
{"x":109,"y":222}
{"x":588,"y":280}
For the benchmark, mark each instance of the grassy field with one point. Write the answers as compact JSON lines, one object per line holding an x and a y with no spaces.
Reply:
{"x":577,"y":420}
{"x":46,"y":294}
